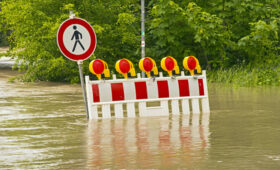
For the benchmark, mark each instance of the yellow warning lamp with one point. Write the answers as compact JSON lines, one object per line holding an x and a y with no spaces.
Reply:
{"x":149,"y":66}
{"x":170,"y":65}
{"x":126,"y":68}
{"x":191,"y":63}
{"x":99,"y":68}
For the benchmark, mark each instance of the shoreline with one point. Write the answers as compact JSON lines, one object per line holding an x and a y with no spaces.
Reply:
{"x":7,"y":62}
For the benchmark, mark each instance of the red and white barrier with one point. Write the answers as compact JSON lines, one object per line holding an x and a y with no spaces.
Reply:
{"x":130,"y":92}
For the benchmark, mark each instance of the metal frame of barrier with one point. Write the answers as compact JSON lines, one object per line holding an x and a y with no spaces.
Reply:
{"x":186,"y":90}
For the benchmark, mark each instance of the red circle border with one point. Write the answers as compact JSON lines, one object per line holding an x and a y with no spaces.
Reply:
{"x":62,"y":47}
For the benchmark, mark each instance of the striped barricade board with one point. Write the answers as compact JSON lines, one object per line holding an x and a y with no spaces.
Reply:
{"x":132,"y":97}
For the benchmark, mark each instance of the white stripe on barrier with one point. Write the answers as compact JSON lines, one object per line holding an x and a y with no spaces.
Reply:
{"x":129,"y":88}
{"x":152,"y":89}
{"x":193,"y":86}
{"x":150,"y":100}
{"x":105,"y":90}
{"x":174,"y":91}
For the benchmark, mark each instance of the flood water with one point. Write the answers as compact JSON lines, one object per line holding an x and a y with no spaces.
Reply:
{"x":43,"y":126}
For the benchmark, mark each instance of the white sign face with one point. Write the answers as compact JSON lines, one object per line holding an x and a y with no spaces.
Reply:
{"x":76,"y":39}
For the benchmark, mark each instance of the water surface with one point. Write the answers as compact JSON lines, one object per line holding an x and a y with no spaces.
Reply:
{"x":43,"y":126}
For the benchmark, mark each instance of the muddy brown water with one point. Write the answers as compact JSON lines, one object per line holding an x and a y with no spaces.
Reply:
{"x":43,"y":126}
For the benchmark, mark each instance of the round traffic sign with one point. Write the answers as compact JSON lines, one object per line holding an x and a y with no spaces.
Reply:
{"x":76,"y":39}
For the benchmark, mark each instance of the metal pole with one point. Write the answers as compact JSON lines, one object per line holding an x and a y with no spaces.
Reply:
{"x":143,"y":31}
{"x":80,"y":62}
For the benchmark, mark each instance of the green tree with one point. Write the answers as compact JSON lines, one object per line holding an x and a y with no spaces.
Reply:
{"x":34,"y":25}
{"x":187,"y":31}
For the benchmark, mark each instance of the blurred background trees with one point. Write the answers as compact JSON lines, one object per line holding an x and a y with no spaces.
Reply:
{"x":223,"y":34}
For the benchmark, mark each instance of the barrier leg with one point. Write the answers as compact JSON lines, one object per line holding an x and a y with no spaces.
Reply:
{"x":195,"y":106}
{"x":93,"y":112}
{"x":130,"y":109}
{"x":106,"y":111}
{"x":185,"y":107}
{"x":164,"y":108}
{"x":118,"y":110}
{"x":142,"y":109}
{"x":205,"y":105}
{"x":205,"y":101}
{"x":175,"y":107}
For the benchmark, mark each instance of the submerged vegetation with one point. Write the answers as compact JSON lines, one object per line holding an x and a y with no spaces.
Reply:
{"x":236,"y":40}
{"x":245,"y":76}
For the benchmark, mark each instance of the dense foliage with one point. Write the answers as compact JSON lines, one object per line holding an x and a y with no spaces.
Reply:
{"x":230,"y":37}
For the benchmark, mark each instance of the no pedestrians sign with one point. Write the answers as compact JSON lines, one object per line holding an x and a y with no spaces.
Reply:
{"x":76,"y":39}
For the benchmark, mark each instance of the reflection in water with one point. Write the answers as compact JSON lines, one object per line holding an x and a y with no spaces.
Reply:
{"x":147,"y":142}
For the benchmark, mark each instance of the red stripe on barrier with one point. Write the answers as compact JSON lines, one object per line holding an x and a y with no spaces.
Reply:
{"x":163,"y":91}
{"x":201,"y":87}
{"x":95,"y":91}
{"x":184,"y":89}
{"x":117,"y":91}
{"x":141,"y":90}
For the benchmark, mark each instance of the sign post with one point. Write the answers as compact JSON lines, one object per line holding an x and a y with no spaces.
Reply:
{"x":80,"y":63}
{"x":76,"y":40}
{"x":143,"y":32}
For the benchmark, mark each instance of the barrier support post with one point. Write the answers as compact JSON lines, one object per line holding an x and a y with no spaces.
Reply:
{"x":175,"y":107}
{"x":130,"y":109}
{"x":91,"y":109}
{"x":205,"y":101}
{"x":185,"y":107}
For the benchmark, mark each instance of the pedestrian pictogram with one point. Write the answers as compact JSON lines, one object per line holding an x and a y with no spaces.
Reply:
{"x":77,"y":35}
{"x":76,"y":39}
